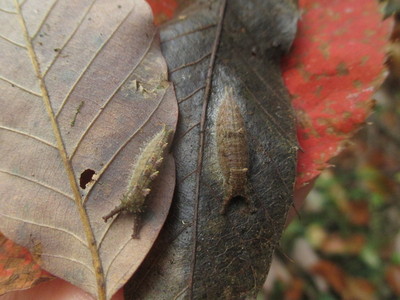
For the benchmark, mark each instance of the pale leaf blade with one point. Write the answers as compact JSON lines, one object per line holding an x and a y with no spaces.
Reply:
{"x":99,"y":67}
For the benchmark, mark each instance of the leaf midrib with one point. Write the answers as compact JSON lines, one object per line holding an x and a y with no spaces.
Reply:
{"x":91,"y":243}
{"x":206,"y":97}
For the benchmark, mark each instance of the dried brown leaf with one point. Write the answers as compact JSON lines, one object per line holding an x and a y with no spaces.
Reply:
{"x":332,"y":273}
{"x":83,"y":87}
{"x":358,"y":213}
{"x":393,"y":278}
{"x":335,"y":244}
{"x":296,"y":290}
{"x":350,"y":288}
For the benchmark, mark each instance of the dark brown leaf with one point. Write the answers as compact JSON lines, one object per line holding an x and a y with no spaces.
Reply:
{"x":203,"y":254}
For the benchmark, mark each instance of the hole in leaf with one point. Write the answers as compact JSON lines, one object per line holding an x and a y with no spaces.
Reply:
{"x":86,"y":177}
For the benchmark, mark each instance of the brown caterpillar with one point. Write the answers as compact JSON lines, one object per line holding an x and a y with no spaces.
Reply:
{"x":233,"y":153}
{"x":145,"y":171}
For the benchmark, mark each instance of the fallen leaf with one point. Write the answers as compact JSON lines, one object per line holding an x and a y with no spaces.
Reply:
{"x":295,"y":291}
{"x":392,"y":276}
{"x":348,"y":287}
{"x":203,"y":253}
{"x":336,"y":62}
{"x":332,"y":273}
{"x":54,"y":289}
{"x":163,"y":10}
{"x":83,"y":90}
{"x":359,"y":289}
{"x":319,"y":144}
{"x":335,"y":244}
{"x":358,"y":213}
{"x":18,"y":268}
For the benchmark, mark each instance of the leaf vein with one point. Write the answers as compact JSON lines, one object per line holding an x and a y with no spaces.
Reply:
{"x":188,"y":175}
{"x":186,"y":132}
{"x":191,"y":63}
{"x":206,"y":97}
{"x":44,"y":19}
{"x":12,"y":42}
{"x":269,"y":116}
{"x":129,"y":239}
{"x":111,"y":97}
{"x":21,"y":4}
{"x":84,"y":218}
{"x":46,"y":226}
{"x":181,"y":293}
{"x":67,"y":40}
{"x":69,"y":259}
{"x":51,"y":188}
{"x":271,"y":90}
{"x":159,"y":246}
{"x":8,"y":11}
{"x":108,"y":227}
{"x":90,"y":63}
{"x":125,"y":143}
{"x":189,"y":33}
{"x":28,"y":135}
{"x":21,"y":87}
{"x":191,"y":94}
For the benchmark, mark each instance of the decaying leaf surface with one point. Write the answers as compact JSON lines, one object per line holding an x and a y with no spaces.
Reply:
{"x":202,"y":253}
{"x":18,"y":267}
{"x":336,"y":62}
{"x":83,"y":87}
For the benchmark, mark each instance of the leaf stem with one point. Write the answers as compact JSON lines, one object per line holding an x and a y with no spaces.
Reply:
{"x":206,"y":97}
{"x":101,"y":290}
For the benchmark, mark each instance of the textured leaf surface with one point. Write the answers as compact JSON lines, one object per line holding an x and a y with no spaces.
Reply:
{"x":83,"y":87}
{"x":203,"y":254}
{"x":336,"y":62}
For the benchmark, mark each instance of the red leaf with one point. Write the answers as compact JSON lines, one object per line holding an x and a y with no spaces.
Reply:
{"x":18,"y":268}
{"x":336,"y":62}
{"x":163,"y":9}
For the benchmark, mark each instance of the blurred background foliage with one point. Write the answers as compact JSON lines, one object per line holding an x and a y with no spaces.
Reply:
{"x":345,"y":243}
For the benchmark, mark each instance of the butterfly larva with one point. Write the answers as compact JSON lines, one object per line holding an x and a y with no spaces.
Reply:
{"x":145,"y":171}
{"x":233,"y":153}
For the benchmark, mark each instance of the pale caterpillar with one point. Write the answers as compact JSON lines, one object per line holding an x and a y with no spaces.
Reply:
{"x":233,"y":153}
{"x":144,"y":172}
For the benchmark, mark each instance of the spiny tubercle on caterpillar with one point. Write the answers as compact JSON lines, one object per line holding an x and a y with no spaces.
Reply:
{"x":145,"y":171}
{"x":233,"y":153}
